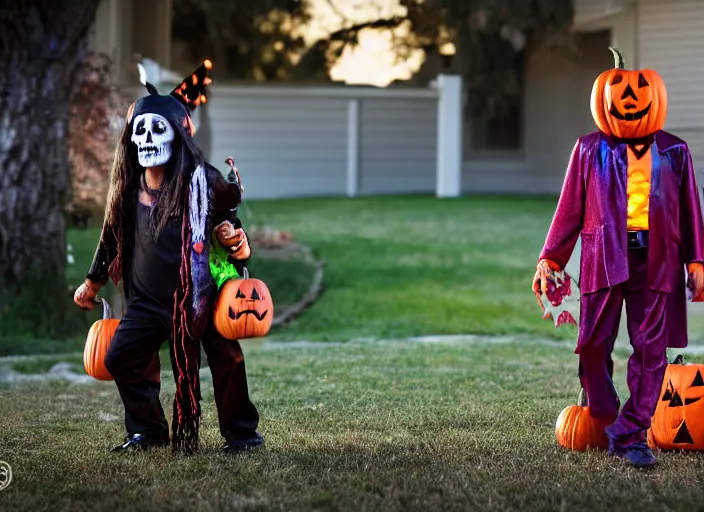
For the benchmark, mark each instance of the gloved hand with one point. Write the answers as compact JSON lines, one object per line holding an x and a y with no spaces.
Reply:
{"x":85,"y":294}
{"x":695,"y":281}
{"x":234,"y":240}
{"x":546,"y":270}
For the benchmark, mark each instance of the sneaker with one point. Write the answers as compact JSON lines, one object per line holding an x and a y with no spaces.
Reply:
{"x":639,"y":455}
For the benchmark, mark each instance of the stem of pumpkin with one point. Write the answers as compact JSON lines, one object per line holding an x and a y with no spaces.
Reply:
{"x":619,"y":62}
{"x":582,"y":398}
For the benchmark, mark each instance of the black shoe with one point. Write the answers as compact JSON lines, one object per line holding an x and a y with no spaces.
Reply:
{"x":135,"y":442}
{"x":241,"y":445}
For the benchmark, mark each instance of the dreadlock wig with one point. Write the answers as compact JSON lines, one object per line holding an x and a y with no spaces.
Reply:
{"x":198,"y":196}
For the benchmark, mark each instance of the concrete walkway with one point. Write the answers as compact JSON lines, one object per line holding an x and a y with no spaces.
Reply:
{"x":64,"y":371}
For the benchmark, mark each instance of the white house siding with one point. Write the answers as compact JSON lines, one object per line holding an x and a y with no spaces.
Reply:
{"x":665,"y":35}
{"x":556,"y":114}
{"x":671,"y":41}
{"x":293,"y":141}
{"x":509,"y":174}
{"x":283,"y":145}
{"x":397,"y":145}
{"x":588,"y":10}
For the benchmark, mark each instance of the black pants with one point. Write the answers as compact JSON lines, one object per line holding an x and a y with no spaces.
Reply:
{"x":133,"y":361}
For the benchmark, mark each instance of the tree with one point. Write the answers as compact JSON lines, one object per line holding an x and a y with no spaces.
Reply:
{"x":256,"y":40}
{"x":489,"y":36}
{"x":42,"y":45}
{"x":97,"y":117}
{"x":262,"y":40}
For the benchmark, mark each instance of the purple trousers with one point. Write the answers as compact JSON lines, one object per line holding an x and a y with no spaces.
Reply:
{"x":648,"y":325}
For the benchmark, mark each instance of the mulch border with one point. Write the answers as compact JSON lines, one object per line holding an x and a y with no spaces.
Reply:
{"x":314,"y":290}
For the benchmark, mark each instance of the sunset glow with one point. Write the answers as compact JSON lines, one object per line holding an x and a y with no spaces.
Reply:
{"x":374,"y":60}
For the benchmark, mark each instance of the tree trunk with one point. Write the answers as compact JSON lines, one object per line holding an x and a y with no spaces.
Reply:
{"x":42,"y":46}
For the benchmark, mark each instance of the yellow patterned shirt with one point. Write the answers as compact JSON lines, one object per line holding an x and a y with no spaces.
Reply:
{"x":638,"y":190}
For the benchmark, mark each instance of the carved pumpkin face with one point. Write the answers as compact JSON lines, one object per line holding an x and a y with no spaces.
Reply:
{"x":576,"y":429}
{"x":678,"y":422}
{"x":628,"y":104}
{"x":244,"y":309}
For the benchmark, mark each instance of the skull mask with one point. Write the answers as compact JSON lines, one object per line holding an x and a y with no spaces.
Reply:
{"x":154,"y":136}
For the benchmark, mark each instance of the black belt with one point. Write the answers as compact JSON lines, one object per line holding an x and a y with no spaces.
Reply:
{"x":638,"y":239}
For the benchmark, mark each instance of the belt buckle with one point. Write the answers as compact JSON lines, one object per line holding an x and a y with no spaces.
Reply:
{"x":636,"y":239}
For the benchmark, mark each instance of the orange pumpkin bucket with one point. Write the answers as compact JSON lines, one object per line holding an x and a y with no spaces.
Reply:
{"x":244,"y":309}
{"x":98,"y":343}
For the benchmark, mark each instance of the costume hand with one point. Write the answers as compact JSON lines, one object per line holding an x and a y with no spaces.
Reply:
{"x":695,"y":282}
{"x":546,"y":269}
{"x":233,"y":239}
{"x":85,"y":295}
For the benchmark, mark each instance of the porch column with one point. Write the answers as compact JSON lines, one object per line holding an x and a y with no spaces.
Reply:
{"x":449,"y":147}
{"x":353,"y":147}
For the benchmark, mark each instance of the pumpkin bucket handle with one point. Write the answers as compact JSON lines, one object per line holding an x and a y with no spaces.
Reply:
{"x":678,"y":360}
{"x":107,"y":310}
{"x":245,"y":273}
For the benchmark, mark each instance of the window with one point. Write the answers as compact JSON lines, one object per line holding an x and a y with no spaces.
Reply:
{"x":501,"y":131}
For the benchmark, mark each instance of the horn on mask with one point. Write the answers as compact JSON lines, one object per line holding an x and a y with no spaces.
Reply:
{"x":143,"y":78}
{"x":191,"y":92}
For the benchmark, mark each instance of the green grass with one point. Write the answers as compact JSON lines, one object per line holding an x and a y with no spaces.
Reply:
{"x":44,"y":364}
{"x":287,"y":280}
{"x":396,"y":267}
{"x":358,"y":426}
{"x":413,"y":265}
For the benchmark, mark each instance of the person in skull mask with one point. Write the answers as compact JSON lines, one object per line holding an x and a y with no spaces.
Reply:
{"x":166,"y":205}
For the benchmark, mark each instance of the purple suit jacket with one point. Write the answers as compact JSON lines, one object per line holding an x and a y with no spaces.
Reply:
{"x":593,"y":203}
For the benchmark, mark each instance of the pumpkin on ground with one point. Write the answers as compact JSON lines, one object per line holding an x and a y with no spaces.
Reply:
{"x":244,"y":309}
{"x":678,"y":422}
{"x":629,"y":104}
{"x":578,"y":430}
{"x":98,"y":343}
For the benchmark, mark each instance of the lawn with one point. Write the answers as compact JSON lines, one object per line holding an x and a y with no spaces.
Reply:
{"x":413,"y":265}
{"x":367,"y":423}
{"x":395,"y":267}
{"x":287,"y":278}
{"x":354,"y":426}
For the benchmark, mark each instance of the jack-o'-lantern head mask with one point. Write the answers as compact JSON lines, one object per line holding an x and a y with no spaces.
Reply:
{"x":628,"y":104}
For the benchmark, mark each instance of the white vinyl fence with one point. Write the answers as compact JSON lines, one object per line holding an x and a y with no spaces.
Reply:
{"x":293,"y":141}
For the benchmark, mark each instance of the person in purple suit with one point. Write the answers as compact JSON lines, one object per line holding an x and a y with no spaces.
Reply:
{"x":630,"y":192}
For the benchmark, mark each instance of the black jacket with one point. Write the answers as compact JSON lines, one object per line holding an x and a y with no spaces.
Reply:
{"x":224,"y":196}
